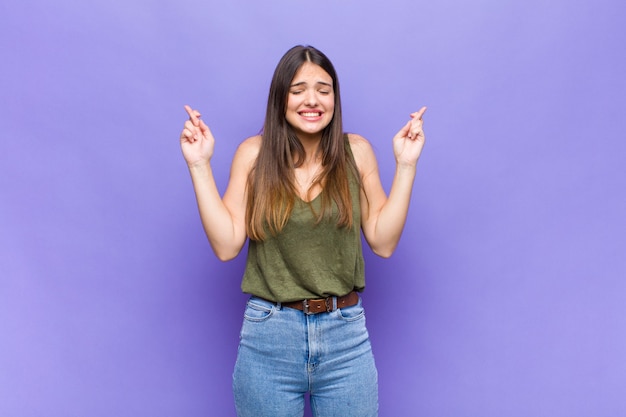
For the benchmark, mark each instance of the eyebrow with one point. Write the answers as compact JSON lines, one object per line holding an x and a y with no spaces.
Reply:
{"x":317,"y":83}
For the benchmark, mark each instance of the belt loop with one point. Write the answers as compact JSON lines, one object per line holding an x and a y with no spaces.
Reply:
{"x":334,"y":303}
{"x":279,"y":306}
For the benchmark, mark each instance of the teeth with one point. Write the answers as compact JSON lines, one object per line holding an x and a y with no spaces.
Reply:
{"x":310,"y":114}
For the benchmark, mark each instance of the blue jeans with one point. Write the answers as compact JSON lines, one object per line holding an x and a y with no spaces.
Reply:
{"x":284,"y":353}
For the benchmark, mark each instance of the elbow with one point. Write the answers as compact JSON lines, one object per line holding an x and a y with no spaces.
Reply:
{"x":227,"y":248}
{"x":384,"y":252}
{"x":224,"y":254}
{"x":225,"y":257}
{"x":383,"y":247}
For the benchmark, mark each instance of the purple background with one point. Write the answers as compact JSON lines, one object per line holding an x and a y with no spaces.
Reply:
{"x":506,"y":296}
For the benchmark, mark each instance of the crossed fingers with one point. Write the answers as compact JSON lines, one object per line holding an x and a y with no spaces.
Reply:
{"x":194,"y":115}
{"x":415,"y":129}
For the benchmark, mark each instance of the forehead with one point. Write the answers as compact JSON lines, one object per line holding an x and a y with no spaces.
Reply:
{"x":311,"y":73}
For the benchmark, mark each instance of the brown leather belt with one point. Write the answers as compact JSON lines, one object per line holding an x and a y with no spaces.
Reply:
{"x":323,"y":305}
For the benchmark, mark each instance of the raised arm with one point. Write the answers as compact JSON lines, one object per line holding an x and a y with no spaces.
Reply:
{"x":223,"y":219}
{"x":382,"y":217}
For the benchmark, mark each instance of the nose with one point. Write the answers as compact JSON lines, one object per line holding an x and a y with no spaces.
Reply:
{"x":310,"y":98}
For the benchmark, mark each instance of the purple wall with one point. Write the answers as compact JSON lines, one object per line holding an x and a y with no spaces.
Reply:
{"x":506,"y":297}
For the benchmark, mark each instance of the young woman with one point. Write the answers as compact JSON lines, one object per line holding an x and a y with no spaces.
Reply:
{"x":302,"y":192}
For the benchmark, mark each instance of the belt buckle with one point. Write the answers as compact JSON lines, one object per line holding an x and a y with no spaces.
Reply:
{"x":328,"y":303}
{"x":305,"y":308}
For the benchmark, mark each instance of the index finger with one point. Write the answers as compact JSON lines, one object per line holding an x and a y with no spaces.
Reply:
{"x":194,"y":115}
{"x":418,"y":114}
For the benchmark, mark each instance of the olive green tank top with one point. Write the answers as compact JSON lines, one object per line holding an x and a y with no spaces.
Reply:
{"x":308,"y":260}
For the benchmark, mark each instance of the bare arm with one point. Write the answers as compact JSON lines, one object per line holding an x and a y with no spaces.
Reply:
{"x":223,"y":219}
{"x":382,"y":217}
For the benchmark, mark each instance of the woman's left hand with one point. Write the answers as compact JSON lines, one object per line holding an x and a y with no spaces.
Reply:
{"x":409,"y":141}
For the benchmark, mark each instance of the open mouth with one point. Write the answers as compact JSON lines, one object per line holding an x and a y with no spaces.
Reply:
{"x":310,"y":114}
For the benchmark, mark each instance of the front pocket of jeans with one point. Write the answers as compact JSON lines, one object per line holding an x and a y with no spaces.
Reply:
{"x":352,"y":313}
{"x":257,"y":312}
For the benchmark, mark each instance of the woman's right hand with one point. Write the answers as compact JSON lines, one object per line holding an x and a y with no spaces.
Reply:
{"x":196,"y":139}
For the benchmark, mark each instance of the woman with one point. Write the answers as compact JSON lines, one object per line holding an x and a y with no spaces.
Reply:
{"x":302,"y":192}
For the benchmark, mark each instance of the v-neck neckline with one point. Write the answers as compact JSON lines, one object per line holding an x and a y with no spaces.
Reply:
{"x":313,"y":199}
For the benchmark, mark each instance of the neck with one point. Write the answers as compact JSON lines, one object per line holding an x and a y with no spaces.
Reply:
{"x":311,"y":150}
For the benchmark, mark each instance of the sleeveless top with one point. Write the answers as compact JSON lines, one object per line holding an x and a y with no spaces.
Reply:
{"x":308,"y":260}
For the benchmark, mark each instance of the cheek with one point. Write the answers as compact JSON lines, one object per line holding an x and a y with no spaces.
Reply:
{"x":329,"y":104}
{"x":330,"y":110}
{"x":290,"y":111}
{"x":290,"y":104}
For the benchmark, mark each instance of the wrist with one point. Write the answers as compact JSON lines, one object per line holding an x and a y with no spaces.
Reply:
{"x":406,"y":167}
{"x":199,"y":166}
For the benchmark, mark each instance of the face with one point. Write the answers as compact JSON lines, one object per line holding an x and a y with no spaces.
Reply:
{"x":311,"y":101}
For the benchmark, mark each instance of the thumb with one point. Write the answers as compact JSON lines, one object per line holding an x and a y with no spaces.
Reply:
{"x":203,"y":127}
{"x":405,"y":129}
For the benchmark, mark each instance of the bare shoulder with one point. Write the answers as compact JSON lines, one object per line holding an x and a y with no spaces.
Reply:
{"x":250,"y":146}
{"x":359,"y":145}
{"x":247,"y":152}
{"x":362,"y":151}
{"x":357,"y":140}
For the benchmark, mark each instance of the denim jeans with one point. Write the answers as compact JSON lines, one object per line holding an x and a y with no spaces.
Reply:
{"x":284,"y":353}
